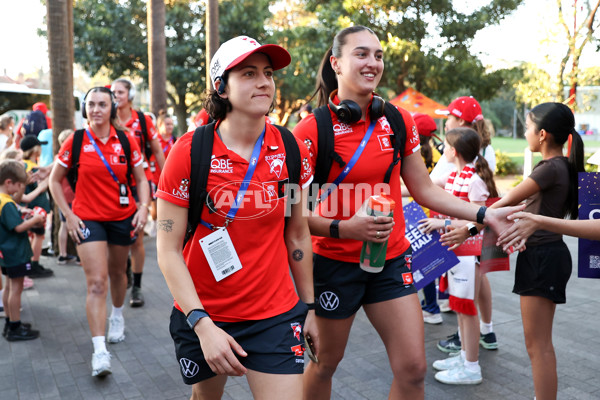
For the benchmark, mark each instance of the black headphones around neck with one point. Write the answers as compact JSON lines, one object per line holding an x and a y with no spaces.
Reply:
{"x":349,"y":112}
{"x":113,"y":102}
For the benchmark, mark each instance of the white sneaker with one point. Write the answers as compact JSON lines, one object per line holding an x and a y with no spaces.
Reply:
{"x":459,"y":376}
{"x":444,"y":305}
{"x":433,"y":319}
{"x":448,"y":363}
{"x":116,"y":330}
{"x":101,"y":364}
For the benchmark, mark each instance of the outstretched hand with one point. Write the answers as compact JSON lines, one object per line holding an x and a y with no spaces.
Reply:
{"x":497,"y":218}
{"x":516,"y":235}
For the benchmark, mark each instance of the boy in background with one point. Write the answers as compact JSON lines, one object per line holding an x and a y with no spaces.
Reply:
{"x":15,"y":250}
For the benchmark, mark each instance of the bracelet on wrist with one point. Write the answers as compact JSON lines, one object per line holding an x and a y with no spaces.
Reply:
{"x":311,"y":306}
{"x":481,"y":214}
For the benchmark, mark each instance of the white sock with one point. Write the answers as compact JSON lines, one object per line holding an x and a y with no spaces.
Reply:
{"x":463,"y":355}
{"x":99,"y":344}
{"x":472,"y":366}
{"x":117,"y":312}
{"x":486,"y":328}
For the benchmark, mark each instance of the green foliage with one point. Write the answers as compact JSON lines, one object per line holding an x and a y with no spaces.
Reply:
{"x":505,"y":165}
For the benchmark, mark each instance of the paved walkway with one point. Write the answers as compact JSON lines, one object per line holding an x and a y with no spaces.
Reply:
{"x":57,"y":366}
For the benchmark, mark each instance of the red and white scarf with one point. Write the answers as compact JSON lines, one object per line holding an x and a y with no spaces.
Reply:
{"x":459,"y":186}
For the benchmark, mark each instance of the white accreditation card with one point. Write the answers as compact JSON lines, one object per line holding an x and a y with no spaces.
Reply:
{"x":220,"y":253}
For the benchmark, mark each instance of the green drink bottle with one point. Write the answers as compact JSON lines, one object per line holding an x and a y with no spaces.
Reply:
{"x":372,"y":255}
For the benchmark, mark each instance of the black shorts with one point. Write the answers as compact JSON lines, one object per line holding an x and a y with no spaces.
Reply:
{"x":17,"y":271}
{"x":121,"y":233}
{"x":341,"y":288}
{"x":38,"y":230}
{"x":544,"y":271}
{"x":274,"y":345}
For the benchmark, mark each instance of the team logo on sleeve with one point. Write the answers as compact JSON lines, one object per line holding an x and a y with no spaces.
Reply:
{"x":306,"y":169}
{"x":276,"y":162}
{"x":415,"y":135}
{"x":308,"y":144}
{"x":65,"y":156}
{"x":182,"y":191}
{"x":385,"y":142}
{"x":297,"y":329}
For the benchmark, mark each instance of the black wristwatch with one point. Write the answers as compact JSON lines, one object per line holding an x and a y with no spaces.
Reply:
{"x":472,"y":229}
{"x":334,"y":229}
{"x":481,"y":214}
{"x":196,"y":315}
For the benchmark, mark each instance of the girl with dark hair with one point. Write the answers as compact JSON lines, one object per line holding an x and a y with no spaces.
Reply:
{"x":544,"y":267}
{"x":248,"y":316}
{"x":472,"y":181}
{"x":349,"y":74}
{"x":104,"y":220}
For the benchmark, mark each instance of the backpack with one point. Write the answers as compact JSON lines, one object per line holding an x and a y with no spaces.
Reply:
{"x":200,"y":155}
{"x":72,"y":174}
{"x":326,"y":153}
{"x":33,"y":123}
{"x":145,"y":144}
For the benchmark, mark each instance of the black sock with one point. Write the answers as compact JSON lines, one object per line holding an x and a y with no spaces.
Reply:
{"x":14,"y":325}
{"x":137,"y":279}
{"x":35,"y":264}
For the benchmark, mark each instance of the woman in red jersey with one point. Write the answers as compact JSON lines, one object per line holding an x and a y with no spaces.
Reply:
{"x":349,"y":74}
{"x":237,"y":310}
{"x":104,"y":218}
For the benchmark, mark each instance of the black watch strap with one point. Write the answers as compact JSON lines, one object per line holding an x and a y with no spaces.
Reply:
{"x":194,"y":316}
{"x":481,"y":214}
{"x":311,"y":306}
{"x":334,"y":229}
{"x":472,"y":229}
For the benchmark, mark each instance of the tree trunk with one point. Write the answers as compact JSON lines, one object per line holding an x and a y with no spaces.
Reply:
{"x":157,"y":56}
{"x":60,"y":53}
{"x":181,"y":113}
{"x":212,"y":35}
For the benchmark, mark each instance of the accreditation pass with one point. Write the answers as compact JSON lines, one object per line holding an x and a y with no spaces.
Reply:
{"x":220,"y":253}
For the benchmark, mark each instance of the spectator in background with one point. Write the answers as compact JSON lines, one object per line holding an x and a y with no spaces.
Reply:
{"x":7,"y":124}
{"x":41,"y":109}
{"x":63,"y":256}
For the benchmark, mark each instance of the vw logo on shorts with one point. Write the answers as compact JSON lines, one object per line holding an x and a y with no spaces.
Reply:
{"x":329,"y":301}
{"x":188,"y":367}
{"x":85,"y":232}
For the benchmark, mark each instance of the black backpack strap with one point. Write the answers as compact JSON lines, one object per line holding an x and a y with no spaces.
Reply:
{"x":292,"y":154}
{"x":145,"y":144}
{"x":75,"y":150}
{"x":124,"y":140}
{"x":200,"y":156}
{"x":293,"y":161}
{"x":397,"y":124}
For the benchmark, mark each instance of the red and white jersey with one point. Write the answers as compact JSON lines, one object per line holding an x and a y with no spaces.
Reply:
{"x":263,"y":287}
{"x":166,"y":146}
{"x":135,"y":129}
{"x":365,"y":178}
{"x":97,"y":193}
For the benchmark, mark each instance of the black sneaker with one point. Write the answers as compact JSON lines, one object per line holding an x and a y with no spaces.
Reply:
{"x":6,"y":328}
{"x":488,"y":341}
{"x":23,"y":332}
{"x":38,"y":271}
{"x":451,"y":345}
{"x":62,"y":260}
{"x":137,"y":298}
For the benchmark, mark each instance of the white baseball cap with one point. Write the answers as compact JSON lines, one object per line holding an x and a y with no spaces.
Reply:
{"x":235,"y":50}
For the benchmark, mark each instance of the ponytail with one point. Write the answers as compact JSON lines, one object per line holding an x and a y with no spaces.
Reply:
{"x":575,"y":166}
{"x":481,"y":127}
{"x":485,"y":173}
{"x":326,"y":80}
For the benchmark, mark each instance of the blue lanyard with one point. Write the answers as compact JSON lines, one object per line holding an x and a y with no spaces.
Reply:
{"x":170,"y":142}
{"x":245,"y":183}
{"x":106,"y":164}
{"x":332,"y":186}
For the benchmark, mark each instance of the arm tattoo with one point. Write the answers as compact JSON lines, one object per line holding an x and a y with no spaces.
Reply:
{"x":165,"y":225}
{"x":298,"y":255}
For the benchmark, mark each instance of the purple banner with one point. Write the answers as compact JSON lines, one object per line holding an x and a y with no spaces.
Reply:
{"x":589,"y":208}
{"x":429,"y":258}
